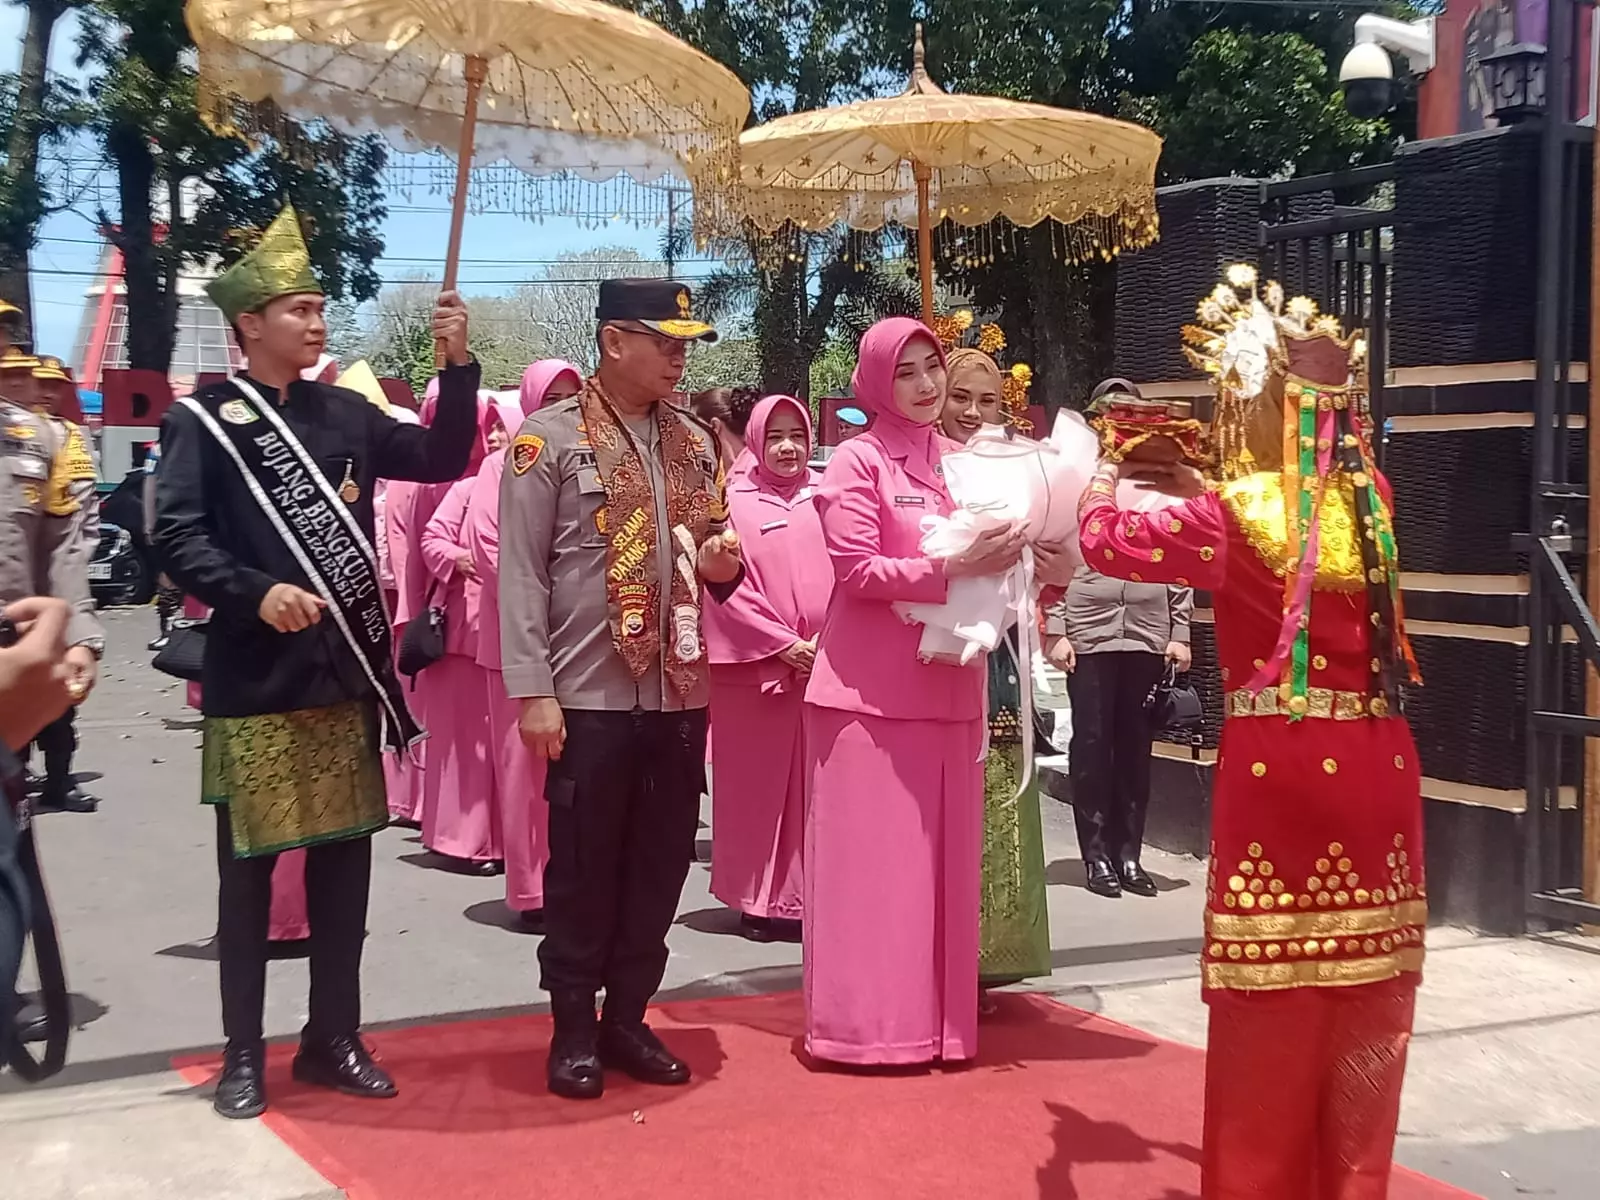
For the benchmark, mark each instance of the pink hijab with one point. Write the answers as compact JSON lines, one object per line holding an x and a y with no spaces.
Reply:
{"x":755,"y":434}
{"x":540,"y":377}
{"x":873,"y":386}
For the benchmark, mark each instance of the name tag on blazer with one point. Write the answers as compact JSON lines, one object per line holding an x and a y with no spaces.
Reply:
{"x":772,"y":525}
{"x":910,"y":501}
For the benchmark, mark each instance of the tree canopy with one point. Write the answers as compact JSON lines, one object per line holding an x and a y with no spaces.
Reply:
{"x":189,"y":197}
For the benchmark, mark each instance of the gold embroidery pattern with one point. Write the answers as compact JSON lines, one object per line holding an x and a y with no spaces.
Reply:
{"x":1257,"y":504}
{"x":1275,"y":976}
{"x":295,"y":778}
{"x":1334,"y":933}
{"x":1323,"y":703}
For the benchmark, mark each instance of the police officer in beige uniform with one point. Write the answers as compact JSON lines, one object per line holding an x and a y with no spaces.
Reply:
{"x":611,"y":517}
{"x":49,"y":529}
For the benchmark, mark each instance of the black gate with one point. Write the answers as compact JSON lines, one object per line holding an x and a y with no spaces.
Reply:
{"x":1329,"y":237}
{"x":1559,"y":508}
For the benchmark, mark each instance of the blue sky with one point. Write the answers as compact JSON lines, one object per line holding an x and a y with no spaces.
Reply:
{"x":497,"y":248}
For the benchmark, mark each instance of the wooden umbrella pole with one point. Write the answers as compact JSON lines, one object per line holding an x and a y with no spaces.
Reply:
{"x":477,"y":70}
{"x":924,"y":175}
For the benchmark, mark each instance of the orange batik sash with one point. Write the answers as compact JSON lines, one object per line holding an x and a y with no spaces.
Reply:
{"x":633,"y":582}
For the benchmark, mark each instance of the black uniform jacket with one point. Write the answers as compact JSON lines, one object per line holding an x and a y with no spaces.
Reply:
{"x":215,"y":543}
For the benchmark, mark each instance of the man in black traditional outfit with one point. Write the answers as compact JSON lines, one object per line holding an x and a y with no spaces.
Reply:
{"x":264,"y":513}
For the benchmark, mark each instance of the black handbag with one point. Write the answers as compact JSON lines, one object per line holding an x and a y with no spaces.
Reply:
{"x":1174,"y":708}
{"x":422,"y":644}
{"x":184,"y":654}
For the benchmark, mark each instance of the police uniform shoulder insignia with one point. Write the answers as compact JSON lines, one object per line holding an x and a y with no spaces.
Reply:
{"x":237,"y":412}
{"x":525,"y":451}
{"x":75,"y":460}
{"x":70,"y":470}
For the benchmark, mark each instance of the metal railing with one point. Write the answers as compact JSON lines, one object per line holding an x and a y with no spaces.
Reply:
{"x":1339,"y":256}
{"x":1561,"y":514}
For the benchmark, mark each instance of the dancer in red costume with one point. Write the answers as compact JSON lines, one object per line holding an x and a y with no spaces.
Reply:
{"x":1317,"y":902}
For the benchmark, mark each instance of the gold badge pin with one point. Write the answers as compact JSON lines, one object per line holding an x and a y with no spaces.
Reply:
{"x":349,"y":489}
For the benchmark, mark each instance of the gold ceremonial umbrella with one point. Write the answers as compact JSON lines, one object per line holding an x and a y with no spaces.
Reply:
{"x":550,"y":86}
{"x":967,"y":159}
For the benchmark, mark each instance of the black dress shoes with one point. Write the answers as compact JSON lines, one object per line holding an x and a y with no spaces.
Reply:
{"x":241,"y":1090}
{"x":632,"y":1048}
{"x":1101,"y":878}
{"x":574,"y":1070}
{"x":344,"y":1064}
{"x":1136,"y":881}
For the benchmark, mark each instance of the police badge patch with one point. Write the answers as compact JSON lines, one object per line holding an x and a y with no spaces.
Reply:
{"x":525,"y":451}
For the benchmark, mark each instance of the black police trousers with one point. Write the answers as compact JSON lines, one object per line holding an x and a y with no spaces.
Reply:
{"x":1109,"y":764}
{"x":624,"y":812}
{"x":338,"y":877}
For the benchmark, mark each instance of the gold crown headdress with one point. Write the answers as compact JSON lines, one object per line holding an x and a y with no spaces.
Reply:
{"x":1252,"y":342}
{"x":1015,"y":381}
{"x":280,"y":265}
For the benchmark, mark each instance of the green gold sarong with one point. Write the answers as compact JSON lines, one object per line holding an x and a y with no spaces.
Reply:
{"x":296,"y":778}
{"x":1015,"y":930}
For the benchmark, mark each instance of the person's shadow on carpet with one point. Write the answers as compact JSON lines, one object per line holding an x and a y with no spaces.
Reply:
{"x":1080,"y":1140}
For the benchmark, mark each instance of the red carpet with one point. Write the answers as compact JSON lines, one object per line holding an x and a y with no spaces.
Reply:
{"x":1061,"y":1106}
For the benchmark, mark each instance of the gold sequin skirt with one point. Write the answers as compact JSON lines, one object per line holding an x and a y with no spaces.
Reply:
{"x":296,"y":778}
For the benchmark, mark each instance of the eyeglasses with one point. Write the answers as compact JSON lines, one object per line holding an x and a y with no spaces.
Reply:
{"x":664,"y":344}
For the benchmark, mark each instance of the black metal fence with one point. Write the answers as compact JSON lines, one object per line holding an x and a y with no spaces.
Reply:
{"x":1329,"y":237}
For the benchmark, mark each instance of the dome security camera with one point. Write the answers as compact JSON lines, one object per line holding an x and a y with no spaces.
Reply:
{"x":1367,"y":79}
{"x":1367,"y":74}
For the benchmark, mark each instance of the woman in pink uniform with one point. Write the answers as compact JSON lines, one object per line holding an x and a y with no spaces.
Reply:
{"x":406,"y":509}
{"x":460,"y":816}
{"x":518,"y":776}
{"x":401,"y":781}
{"x":895,"y":822}
{"x":761,"y":643}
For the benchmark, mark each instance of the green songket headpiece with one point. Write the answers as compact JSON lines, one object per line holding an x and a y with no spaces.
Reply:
{"x":280,"y":265}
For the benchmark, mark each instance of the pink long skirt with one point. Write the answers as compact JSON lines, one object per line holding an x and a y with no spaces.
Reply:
{"x":460,"y":816}
{"x":757,"y":800}
{"x":289,"y":921}
{"x":894,"y":843}
{"x":402,"y":774}
{"x":524,"y":816}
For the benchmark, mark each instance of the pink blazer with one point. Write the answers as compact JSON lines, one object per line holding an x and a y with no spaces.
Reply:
{"x":483,"y":540}
{"x":872,"y":500}
{"x":783,"y":598}
{"x":443,"y":542}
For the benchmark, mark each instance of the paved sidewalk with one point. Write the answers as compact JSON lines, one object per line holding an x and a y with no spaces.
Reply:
{"x":1502,"y":1099}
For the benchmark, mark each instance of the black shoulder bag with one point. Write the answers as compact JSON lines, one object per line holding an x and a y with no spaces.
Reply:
{"x":184,"y":655}
{"x":422,"y":644}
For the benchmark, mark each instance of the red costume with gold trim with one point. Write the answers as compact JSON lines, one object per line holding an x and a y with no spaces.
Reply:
{"x":1317,"y":900}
